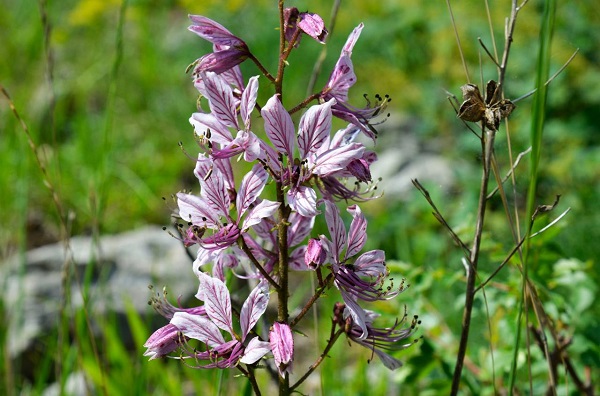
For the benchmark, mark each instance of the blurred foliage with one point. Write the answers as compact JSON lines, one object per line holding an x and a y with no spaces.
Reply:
{"x":112,"y":154}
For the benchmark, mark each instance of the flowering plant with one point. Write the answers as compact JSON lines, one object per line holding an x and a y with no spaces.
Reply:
{"x":238,"y":230}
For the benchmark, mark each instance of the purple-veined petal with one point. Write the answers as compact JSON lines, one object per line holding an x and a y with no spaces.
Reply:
{"x":203,"y":257}
{"x":270,"y":157}
{"x":251,"y":187}
{"x":303,"y":200}
{"x":162,"y":342}
{"x":358,"y":314}
{"x":313,"y":25}
{"x":279,"y":126}
{"x":336,"y":228}
{"x":359,"y":168}
{"x":196,"y":210}
{"x":199,"y":328}
{"x":352,"y":38}
{"x":220,"y":61}
{"x":217,"y":301}
{"x":214,"y":193}
{"x":255,"y":350}
{"x":203,"y":123}
{"x":213,"y":32}
{"x":343,"y":113}
{"x":344,"y":136}
{"x":224,"y":237}
{"x":203,"y":167}
{"x":254,"y":306}
{"x":223,"y":261}
{"x":300,"y":227}
{"x":357,"y":234}
{"x":387,"y":360}
{"x":234,"y":77}
{"x":221,"y":100}
{"x":337,"y":159}
{"x":282,"y":346}
{"x":315,"y":254}
{"x":371,"y":263}
{"x":264,"y":209}
{"x":314,"y":128}
{"x":224,"y":166}
{"x":249,"y":101}
{"x":341,"y":79}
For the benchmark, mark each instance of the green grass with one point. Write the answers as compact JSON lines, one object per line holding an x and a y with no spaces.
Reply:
{"x":107,"y":130}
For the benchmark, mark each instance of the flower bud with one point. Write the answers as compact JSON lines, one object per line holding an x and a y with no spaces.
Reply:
{"x":282,"y":346}
{"x":315,"y":254}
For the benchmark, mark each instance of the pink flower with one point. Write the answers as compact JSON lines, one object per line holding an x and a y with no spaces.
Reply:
{"x":378,"y":340}
{"x":211,"y":209}
{"x":315,"y":254}
{"x":319,"y":155}
{"x":229,"y":50}
{"x":362,"y":278}
{"x":342,"y":78}
{"x":303,"y":22}
{"x":207,"y":328}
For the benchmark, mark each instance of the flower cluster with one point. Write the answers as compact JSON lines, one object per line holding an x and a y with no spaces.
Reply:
{"x":258,"y":228}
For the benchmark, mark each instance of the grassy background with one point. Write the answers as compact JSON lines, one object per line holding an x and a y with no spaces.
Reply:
{"x":108,"y":124}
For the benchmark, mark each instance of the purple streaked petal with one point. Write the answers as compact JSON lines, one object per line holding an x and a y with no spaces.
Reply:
{"x":203,"y":166}
{"x":387,"y":360}
{"x":303,"y":200}
{"x":255,"y":350}
{"x":336,"y":227}
{"x":358,"y":314}
{"x":282,"y":346}
{"x":315,"y":254}
{"x":221,"y":100}
{"x":313,"y":25}
{"x":203,"y":123}
{"x":162,"y":342}
{"x":199,"y":328}
{"x":219,"y":62}
{"x":360,"y":169}
{"x":300,"y":227}
{"x":270,"y":157}
{"x":196,"y":210}
{"x":344,"y":136}
{"x":213,"y":32}
{"x":337,"y":159}
{"x":264,"y":209}
{"x":251,"y":187}
{"x":214,"y":193}
{"x":225,"y":237}
{"x":314,"y":128}
{"x":279,"y":126}
{"x":203,"y":257}
{"x":224,"y":167}
{"x":352,"y":38}
{"x":347,"y":115}
{"x":254,"y":306}
{"x":234,"y":77}
{"x":341,"y":79}
{"x":371,"y":263}
{"x":357,"y":234}
{"x":217,"y":301}
{"x":248,"y":101}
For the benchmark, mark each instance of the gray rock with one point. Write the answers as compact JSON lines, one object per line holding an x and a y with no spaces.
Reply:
{"x":119,"y":269}
{"x":403,"y":156}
